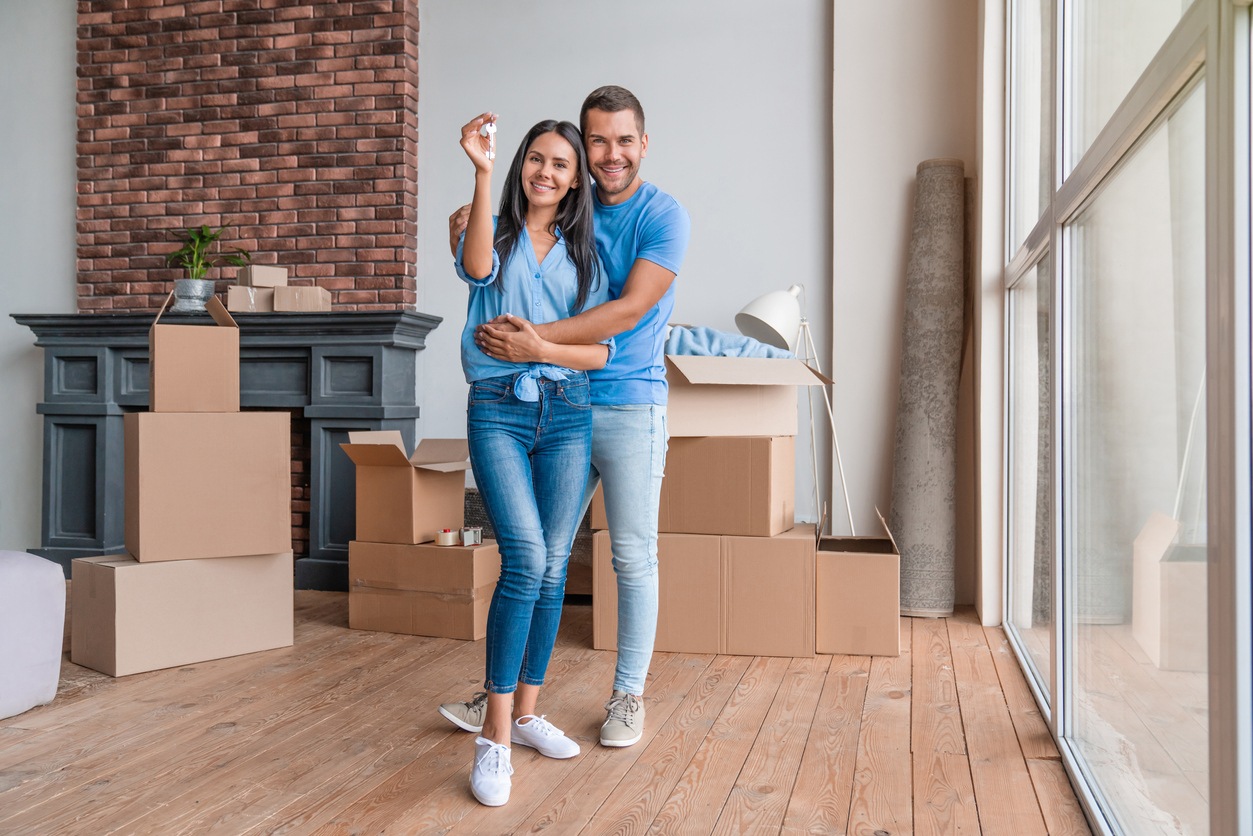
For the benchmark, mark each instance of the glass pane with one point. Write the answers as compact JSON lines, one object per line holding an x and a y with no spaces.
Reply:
{"x":1031,"y":470}
{"x":1112,"y":42}
{"x":1033,"y":100}
{"x":1134,"y":482}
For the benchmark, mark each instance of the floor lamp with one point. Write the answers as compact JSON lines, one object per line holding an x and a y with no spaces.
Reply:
{"x":770,"y":319}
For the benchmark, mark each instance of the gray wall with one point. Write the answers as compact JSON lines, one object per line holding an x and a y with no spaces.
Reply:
{"x":738,"y":106}
{"x":36,"y":234}
{"x":757,"y":116}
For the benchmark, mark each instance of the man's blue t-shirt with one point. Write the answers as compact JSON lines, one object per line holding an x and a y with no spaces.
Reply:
{"x":650,"y":225}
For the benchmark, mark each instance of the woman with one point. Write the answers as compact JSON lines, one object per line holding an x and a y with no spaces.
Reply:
{"x":529,"y":424}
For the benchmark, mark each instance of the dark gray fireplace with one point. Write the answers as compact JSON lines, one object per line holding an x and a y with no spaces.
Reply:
{"x":341,"y":371}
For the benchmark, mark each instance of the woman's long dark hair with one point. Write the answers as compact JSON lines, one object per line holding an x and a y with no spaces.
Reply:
{"x":574,"y":212}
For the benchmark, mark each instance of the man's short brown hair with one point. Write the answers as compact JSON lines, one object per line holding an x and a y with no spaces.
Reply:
{"x":611,"y":98}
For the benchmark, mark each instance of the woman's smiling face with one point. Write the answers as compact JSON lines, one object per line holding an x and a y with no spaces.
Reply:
{"x":550,"y":170}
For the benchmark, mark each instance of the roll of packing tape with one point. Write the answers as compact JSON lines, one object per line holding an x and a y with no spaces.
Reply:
{"x":446,"y":537}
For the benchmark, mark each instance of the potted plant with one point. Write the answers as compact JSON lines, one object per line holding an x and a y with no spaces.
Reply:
{"x":201,"y":250}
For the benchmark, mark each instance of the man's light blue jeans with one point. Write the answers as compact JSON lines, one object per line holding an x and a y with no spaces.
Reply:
{"x":629,"y":457}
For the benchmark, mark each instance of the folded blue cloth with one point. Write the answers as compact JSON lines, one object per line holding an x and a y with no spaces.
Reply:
{"x":707,"y":342}
{"x":524,"y":383}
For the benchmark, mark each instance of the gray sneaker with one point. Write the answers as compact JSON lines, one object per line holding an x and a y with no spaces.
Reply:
{"x":625,"y":724}
{"x":469,"y":714}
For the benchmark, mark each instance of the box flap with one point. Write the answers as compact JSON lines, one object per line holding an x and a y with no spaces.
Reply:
{"x":745,"y":371}
{"x":392,"y":437}
{"x":381,"y":448}
{"x":219,"y":313}
{"x":444,"y":455}
{"x":888,"y":530}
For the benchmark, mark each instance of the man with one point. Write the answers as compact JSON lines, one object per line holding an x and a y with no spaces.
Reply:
{"x":641,"y":235}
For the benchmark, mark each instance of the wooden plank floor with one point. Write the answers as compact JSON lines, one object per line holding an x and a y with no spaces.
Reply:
{"x":339,"y":735}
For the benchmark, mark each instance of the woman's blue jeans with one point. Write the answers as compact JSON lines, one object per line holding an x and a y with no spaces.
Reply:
{"x":531,"y":462}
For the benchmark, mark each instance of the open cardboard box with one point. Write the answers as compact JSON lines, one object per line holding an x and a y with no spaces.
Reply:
{"x":422,"y":590}
{"x":859,"y":595}
{"x":194,"y":368}
{"x":129,"y":617}
{"x":735,"y":395}
{"x":407,"y":499}
{"x":739,"y":485}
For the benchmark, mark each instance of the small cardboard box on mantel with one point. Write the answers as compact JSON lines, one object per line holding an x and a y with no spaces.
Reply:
{"x":262,"y":275}
{"x":403,"y":498}
{"x":293,"y":299}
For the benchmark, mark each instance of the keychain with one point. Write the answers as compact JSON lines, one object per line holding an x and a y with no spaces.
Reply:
{"x":489,"y":131}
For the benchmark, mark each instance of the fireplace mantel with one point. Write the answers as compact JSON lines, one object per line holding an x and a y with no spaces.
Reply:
{"x":344,"y":371}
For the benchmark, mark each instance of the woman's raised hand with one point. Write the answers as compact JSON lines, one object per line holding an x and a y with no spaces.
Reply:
{"x":477,"y":145}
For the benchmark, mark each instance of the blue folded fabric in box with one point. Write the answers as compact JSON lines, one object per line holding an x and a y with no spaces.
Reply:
{"x":708,"y":342}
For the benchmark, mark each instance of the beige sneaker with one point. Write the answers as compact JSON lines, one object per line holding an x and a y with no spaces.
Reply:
{"x":469,"y":714}
{"x":625,"y":724}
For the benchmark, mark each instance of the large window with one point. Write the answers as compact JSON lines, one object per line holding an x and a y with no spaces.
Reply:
{"x":1127,"y":585}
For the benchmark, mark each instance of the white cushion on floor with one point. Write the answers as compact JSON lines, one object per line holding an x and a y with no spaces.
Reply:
{"x":32,"y":630}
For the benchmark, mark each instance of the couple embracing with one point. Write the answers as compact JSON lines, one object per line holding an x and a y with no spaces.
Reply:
{"x":571,"y":288}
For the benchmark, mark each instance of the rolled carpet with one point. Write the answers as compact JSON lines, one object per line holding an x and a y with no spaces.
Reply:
{"x":924,"y":473}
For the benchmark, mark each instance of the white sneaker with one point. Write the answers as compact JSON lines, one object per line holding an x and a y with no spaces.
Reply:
{"x":540,"y":734}
{"x":489,"y":779}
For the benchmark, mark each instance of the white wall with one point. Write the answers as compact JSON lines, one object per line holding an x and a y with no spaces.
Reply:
{"x":746,"y":112}
{"x":738,"y":104}
{"x":36,"y":235}
{"x":905,"y":76}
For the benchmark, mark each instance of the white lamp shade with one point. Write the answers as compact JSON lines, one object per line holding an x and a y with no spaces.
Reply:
{"x":773,"y":319}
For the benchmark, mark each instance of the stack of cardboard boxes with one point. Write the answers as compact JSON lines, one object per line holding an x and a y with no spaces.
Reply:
{"x":736,"y":575}
{"x":263,"y":289}
{"x":400,"y":579}
{"x":208,"y":519}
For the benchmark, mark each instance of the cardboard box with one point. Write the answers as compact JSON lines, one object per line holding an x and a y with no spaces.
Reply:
{"x":261,"y":275}
{"x":735,"y":395}
{"x":750,"y":596}
{"x":422,"y":590}
{"x":768,"y":589}
{"x":194,"y":368}
{"x":302,"y":299}
{"x":207,"y":484}
{"x":689,"y":573}
{"x":724,"y":485}
{"x":859,"y":595}
{"x":407,"y":499}
{"x":249,"y":299}
{"x":129,"y":617}
{"x":1168,"y":597}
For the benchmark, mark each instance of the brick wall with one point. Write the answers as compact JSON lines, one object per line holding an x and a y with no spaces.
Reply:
{"x":294,"y":122}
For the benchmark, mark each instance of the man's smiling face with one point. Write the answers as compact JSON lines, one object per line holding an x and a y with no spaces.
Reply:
{"x":615,"y":147}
